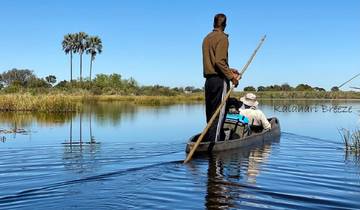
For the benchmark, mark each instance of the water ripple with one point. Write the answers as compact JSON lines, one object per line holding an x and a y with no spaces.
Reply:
{"x":295,"y":172}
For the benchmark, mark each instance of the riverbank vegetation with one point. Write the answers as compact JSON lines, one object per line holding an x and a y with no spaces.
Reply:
{"x":306,"y":95}
{"x":22,"y":90}
{"x":73,"y":103}
{"x":301,"y":91}
{"x":39,"y":103}
{"x":286,"y":87}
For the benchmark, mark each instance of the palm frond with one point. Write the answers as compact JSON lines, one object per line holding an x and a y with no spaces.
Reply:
{"x":94,"y":46}
{"x":68,"y":43}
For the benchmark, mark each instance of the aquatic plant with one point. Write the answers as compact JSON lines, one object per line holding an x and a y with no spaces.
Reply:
{"x":13,"y":130}
{"x":351,"y":139}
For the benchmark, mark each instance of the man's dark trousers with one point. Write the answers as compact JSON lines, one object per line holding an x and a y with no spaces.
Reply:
{"x":216,"y":88}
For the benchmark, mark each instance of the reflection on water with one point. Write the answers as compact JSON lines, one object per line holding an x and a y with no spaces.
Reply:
{"x":227,"y":169}
{"x":114,"y":113}
{"x":104,"y":113}
{"x":352,"y":157}
{"x":121,"y":156}
{"x":81,"y":158}
{"x":26,"y":119}
{"x":81,"y":140}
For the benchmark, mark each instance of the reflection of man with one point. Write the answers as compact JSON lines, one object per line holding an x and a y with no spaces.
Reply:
{"x":223,"y":170}
{"x":217,"y":73}
{"x":256,"y":158}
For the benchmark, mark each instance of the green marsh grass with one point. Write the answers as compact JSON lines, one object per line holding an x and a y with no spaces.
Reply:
{"x":59,"y":101}
{"x":73,"y":103}
{"x":351,"y":140}
{"x":147,"y":100}
{"x":37,"y":103}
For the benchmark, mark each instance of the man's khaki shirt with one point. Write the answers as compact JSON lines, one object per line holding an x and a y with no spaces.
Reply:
{"x":215,"y":54}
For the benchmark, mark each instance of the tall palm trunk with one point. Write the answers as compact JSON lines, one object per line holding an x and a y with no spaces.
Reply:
{"x":81,"y":66}
{"x":71,"y":57}
{"x":91,"y":61}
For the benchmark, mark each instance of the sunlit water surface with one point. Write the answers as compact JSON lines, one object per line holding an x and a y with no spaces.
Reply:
{"x":136,"y":161}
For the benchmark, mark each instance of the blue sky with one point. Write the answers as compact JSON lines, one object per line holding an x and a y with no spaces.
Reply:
{"x":159,"y":41}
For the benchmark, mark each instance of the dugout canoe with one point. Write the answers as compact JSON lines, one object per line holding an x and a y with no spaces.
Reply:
{"x":254,"y":138}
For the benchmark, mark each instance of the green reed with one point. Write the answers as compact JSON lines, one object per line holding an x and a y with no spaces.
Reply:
{"x":37,"y":103}
{"x":57,"y":101}
{"x":351,"y":139}
{"x":75,"y":102}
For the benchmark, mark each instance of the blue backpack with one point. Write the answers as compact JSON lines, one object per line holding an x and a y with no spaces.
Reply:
{"x":237,"y":118}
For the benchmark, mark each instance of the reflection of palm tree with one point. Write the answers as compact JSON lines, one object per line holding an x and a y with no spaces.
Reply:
{"x":92,"y":139}
{"x":80,"y":141}
{"x":80,"y":128}
{"x":80,"y":159}
{"x":71,"y":131}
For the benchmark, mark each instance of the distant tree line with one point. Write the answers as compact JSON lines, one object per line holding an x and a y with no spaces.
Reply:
{"x":15,"y":79}
{"x":287,"y":87}
{"x":24,"y":80}
{"x":115,"y":84}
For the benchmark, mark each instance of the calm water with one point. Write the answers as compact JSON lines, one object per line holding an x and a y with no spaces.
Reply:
{"x":136,"y":161}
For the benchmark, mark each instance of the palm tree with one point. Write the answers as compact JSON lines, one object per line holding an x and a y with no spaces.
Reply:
{"x":94,"y":47}
{"x":81,"y":47}
{"x":69,"y":46}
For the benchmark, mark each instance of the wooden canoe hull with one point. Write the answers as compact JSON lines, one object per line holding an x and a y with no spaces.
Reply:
{"x":255,"y":138}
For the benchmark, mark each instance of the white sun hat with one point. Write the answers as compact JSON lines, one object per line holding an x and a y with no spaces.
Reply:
{"x":250,"y":100}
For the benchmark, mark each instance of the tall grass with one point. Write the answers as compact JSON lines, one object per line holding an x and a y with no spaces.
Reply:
{"x":351,"y":139}
{"x":58,"y":101}
{"x":37,"y":103}
{"x":147,"y":100}
{"x":73,"y":103}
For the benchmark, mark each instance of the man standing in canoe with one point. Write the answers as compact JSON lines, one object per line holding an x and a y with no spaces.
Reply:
{"x":218,"y":74}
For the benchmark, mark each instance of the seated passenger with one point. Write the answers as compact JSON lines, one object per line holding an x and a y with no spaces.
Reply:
{"x":249,"y":109}
{"x":233,"y":105}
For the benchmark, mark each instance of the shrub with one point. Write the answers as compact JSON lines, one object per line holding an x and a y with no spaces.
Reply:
{"x":249,"y":88}
{"x":335,"y":89}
